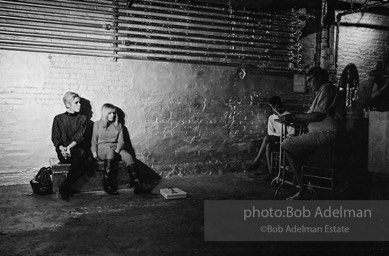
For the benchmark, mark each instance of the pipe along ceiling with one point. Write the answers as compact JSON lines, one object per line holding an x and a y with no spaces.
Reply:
{"x":161,"y":30}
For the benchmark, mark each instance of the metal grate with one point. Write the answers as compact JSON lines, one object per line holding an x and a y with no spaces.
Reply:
{"x":169,"y":30}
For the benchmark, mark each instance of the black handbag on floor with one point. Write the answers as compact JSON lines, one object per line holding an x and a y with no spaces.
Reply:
{"x":42,"y":184}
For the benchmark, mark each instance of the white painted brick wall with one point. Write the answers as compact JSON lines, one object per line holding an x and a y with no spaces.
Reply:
{"x":174,"y":112}
{"x":363,"y":46}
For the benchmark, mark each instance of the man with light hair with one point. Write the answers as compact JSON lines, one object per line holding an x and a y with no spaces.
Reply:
{"x":67,"y":135}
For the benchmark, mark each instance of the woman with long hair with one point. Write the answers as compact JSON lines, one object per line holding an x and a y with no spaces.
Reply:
{"x":108,"y":145}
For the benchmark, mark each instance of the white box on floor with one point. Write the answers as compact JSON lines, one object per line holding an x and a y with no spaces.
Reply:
{"x":172,"y":193}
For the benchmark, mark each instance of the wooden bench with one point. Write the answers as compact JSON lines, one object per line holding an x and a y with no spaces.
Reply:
{"x":89,"y":181}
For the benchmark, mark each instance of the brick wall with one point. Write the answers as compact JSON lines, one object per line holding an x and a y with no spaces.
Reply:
{"x":178,"y":115}
{"x":175,"y":113}
{"x":363,"y":40}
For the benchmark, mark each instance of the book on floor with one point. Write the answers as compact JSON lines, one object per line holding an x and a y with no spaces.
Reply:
{"x":172,"y":193}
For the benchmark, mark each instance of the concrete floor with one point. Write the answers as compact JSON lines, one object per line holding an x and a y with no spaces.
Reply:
{"x":94,"y":223}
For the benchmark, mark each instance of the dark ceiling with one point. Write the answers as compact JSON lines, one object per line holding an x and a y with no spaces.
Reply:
{"x":287,"y":4}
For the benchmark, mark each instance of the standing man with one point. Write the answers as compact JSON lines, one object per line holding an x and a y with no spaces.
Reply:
{"x":325,"y":118}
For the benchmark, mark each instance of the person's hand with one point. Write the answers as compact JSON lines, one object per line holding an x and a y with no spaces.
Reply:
{"x":65,"y":155}
{"x":117,"y":151}
{"x":64,"y":152}
{"x":68,"y":151}
{"x":62,"y":149}
{"x":95,"y":155}
{"x":288,"y":118}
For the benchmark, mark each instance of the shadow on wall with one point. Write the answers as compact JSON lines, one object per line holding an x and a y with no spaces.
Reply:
{"x":148,"y":174}
{"x":126,"y":134}
{"x":86,"y":109}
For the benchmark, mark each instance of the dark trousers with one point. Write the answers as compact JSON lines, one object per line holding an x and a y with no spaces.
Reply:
{"x":79,"y":161}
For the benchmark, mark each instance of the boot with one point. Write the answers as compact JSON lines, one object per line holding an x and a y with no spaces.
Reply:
{"x":139,"y":186}
{"x":107,"y":178}
{"x":64,"y":191}
{"x":132,"y":174}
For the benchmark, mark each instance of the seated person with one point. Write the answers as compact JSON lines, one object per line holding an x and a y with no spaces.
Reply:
{"x":108,"y":145}
{"x":325,"y":118}
{"x":272,"y":137}
{"x":67,"y":135}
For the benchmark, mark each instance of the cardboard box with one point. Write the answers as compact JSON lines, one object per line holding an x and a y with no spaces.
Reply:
{"x":172,"y":193}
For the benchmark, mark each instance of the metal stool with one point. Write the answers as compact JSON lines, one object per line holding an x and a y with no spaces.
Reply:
{"x":285,"y":174}
{"x":318,"y":172}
